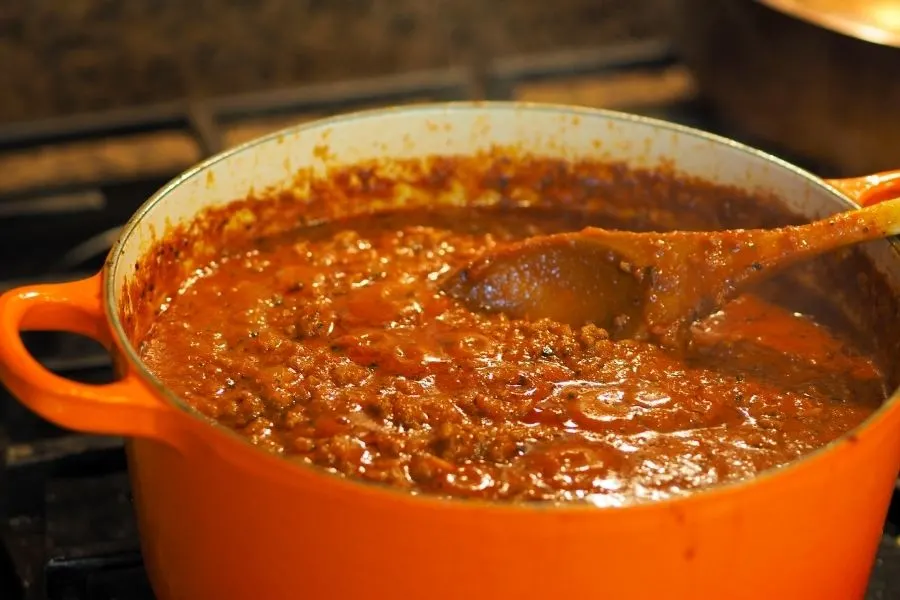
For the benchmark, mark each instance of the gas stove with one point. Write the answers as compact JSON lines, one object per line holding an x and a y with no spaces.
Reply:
{"x":67,"y":529}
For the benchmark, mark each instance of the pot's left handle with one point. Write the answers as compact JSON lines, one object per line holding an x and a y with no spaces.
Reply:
{"x":870,"y":189}
{"x":125,"y":407}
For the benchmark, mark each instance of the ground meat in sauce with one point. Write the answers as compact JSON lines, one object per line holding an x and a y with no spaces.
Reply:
{"x":333,"y":345}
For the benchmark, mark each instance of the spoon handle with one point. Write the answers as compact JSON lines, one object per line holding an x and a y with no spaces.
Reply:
{"x":702,"y":270}
{"x":788,"y":245}
{"x":846,"y":228}
{"x":884,"y":215}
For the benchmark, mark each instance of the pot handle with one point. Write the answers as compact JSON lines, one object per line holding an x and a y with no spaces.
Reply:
{"x":870,"y":189}
{"x":125,"y":407}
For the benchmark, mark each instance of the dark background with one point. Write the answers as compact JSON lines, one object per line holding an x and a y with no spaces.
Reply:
{"x":60,"y":57}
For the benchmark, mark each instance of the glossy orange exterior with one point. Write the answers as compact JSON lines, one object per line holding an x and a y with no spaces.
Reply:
{"x":221,"y":519}
{"x":870,"y":189}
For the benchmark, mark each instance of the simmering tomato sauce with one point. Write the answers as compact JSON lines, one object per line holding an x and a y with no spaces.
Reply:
{"x":332,"y":344}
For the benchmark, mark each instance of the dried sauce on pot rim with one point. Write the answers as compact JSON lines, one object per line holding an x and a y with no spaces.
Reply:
{"x":311,"y":322}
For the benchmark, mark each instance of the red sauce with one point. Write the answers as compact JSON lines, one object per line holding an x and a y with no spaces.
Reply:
{"x":333,"y":345}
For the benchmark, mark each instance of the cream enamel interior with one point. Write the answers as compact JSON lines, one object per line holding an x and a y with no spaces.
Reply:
{"x":466,"y":128}
{"x":272,"y":161}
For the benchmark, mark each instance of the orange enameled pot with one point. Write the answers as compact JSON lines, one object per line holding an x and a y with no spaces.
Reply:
{"x":220,"y":518}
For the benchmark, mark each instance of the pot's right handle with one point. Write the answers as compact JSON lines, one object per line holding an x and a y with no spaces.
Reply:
{"x":870,"y":189}
{"x":126,"y":407}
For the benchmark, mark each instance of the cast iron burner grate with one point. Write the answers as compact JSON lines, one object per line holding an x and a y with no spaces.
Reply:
{"x":67,"y":529}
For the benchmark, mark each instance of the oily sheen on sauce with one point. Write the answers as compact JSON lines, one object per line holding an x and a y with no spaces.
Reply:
{"x":333,"y":345}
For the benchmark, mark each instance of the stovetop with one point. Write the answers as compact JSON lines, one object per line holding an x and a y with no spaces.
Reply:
{"x":67,"y":529}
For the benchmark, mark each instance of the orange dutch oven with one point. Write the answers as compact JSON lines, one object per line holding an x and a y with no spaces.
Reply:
{"x":220,"y":518}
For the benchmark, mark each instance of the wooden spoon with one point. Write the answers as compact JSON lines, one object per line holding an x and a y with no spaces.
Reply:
{"x":649,"y":285}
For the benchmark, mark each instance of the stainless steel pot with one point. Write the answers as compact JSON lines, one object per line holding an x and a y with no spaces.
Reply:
{"x":817,"y":78}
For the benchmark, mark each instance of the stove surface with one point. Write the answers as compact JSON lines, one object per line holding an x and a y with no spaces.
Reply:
{"x":67,"y":530}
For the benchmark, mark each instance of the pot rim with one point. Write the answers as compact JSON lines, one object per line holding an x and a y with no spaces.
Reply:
{"x":866,"y":26}
{"x":173,"y":400}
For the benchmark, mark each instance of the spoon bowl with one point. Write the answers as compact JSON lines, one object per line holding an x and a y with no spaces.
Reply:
{"x":650,"y":285}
